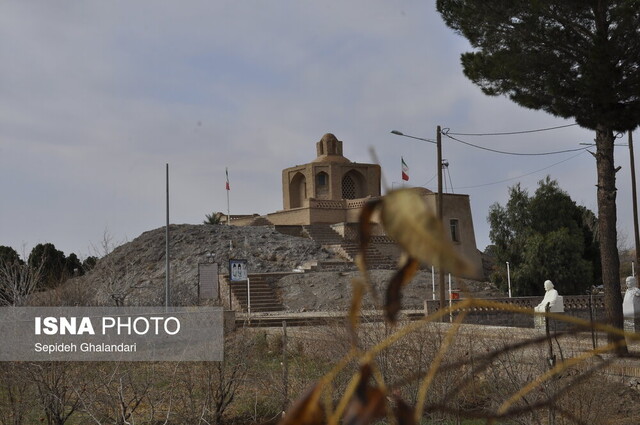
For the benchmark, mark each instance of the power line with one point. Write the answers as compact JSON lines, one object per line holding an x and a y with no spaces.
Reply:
{"x":446,"y":131}
{"x":523,"y":175}
{"x":513,"y":153}
{"x":434,"y":176}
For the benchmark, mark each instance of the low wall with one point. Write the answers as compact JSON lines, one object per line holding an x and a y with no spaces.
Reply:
{"x":290,"y":217}
{"x":350,"y":232}
{"x":241,"y":220}
{"x":574,"y":306}
{"x":291,"y":230}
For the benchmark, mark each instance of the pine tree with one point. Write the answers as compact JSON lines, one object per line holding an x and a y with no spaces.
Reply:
{"x":573,"y":59}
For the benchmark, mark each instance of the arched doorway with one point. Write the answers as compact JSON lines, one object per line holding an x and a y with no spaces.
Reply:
{"x":297,"y":191}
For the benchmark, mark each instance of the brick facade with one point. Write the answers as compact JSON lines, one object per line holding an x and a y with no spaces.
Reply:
{"x":331,"y":189}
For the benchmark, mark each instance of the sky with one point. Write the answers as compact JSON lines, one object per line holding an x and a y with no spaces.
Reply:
{"x":96,"y":97}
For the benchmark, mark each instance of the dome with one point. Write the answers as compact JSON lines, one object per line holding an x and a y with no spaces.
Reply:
{"x":329,"y":149}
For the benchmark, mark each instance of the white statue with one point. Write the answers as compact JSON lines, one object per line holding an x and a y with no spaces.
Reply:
{"x":552,"y":298}
{"x":631,"y":302}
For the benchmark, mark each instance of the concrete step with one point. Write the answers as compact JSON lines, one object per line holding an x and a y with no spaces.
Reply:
{"x":332,"y":240}
{"x":261,"y":291}
{"x":263,"y":298}
{"x":256,"y":297}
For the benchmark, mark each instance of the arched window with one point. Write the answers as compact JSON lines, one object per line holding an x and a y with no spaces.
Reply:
{"x":353,"y":185}
{"x":322,"y":185}
{"x":322,"y":179}
{"x":348,"y":188}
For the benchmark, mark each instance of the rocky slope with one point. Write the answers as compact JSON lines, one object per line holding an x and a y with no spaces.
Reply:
{"x":135,"y":271}
{"x":331,"y":291}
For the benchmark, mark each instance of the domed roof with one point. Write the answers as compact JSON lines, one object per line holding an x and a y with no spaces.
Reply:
{"x":329,"y":149}
{"x":329,"y":137}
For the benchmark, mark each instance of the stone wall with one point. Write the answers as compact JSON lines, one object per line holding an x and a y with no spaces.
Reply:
{"x":294,"y":230}
{"x":319,"y":211}
{"x":290,"y":217}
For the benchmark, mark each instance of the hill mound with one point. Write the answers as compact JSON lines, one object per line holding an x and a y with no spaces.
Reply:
{"x":134,"y":273}
{"x":331,"y":290}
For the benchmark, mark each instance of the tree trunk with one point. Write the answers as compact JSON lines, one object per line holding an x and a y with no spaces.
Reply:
{"x":607,"y":232}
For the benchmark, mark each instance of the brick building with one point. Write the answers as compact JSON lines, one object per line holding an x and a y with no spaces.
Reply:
{"x":330,"y":191}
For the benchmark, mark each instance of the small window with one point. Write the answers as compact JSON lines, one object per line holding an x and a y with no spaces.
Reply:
{"x":455,"y":230}
{"x":323,"y":179}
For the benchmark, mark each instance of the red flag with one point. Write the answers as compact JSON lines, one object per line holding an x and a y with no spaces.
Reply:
{"x":405,"y":170}
{"x":227,"y":173}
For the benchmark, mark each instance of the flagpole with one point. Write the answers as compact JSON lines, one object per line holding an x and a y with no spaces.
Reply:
{"x":167,"y":283}
{"x":226,"y":170}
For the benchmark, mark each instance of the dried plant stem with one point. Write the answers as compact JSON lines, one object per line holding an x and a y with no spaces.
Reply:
{"x":435,"y":365}
{"x":334,"y":418}
{"x":553,"y":372}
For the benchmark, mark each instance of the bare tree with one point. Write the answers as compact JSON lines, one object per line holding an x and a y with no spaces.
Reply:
{"x":59,"y":390}
{"x":18,"y":281}
{"x":204,"y":391}
{"x":222,"y":379}
{"x":15,"y":394}
{"x":117,"y":278}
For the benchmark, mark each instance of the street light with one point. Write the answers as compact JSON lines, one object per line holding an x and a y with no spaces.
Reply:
{"x":439,"y":203}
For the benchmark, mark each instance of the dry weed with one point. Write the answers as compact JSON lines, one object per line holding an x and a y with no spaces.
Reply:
{"x":418,"y":369}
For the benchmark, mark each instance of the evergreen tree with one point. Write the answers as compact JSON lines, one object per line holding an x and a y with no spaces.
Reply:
{"x":9,"y":255}
{"x":573,"y":59}
{"x":51,"y":262}
{"x":544,"y":236}
{"x":72,"y":266}
{"x":89,"y":263}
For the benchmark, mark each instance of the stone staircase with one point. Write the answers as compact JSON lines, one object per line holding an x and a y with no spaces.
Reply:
{"x":323,"y":234}
{"x":332,"y":240}
{"x":263,"y":297}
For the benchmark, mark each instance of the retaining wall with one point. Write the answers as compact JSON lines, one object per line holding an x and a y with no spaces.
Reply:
{"x":574,"y":305}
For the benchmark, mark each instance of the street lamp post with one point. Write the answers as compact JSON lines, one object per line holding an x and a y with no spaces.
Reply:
{"x":439,"y":199}
{"x":440,"y":210}
{"x":509,"y":278}
{"x":634,"y":200}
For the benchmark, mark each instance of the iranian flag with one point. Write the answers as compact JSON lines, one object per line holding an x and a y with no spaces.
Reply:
{"x":227,"y":173}
{"x":405,"y":170}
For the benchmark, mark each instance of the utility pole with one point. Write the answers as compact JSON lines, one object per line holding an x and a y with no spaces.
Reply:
{"x":285,"y":368}
{"x":440,"y":214}
{"x":635,"y":198}
{"x":439,"y":199}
